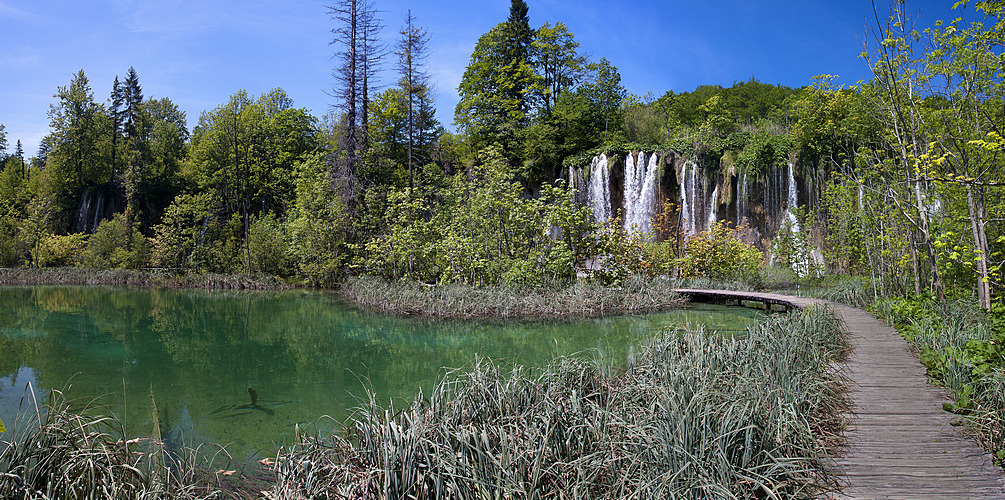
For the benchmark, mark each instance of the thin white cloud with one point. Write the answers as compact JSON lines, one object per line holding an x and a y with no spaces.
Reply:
{"x":11,"y":12}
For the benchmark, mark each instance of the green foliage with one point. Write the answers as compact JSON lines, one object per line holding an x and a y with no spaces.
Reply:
{"x":245,"y":151}
{"x":61,"y":251}
{"x":10,"y":250}
{"x":619,"y":254}
{"x":318,"y":225}
{"x":116,"y":244}
{"x":181,"y":231}
{"x":491,"y":108}
{"x":267,"y":243}
{"x":718,"y":253}
{"x":481,"y":229}
{"x":831,"y":122}
{"x":761,"y":151}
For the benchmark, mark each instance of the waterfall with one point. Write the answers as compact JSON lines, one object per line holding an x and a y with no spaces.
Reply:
{"x":711,"y":205}
{"x":640,"y":191}
{"x":577,"y":182}
{"x":599,"y":189}
{"x":690,"y":201}
{"x":792,"y":200}
{"x":741,"y":202}
{"x":801,"y":259}
{"x":80,"y":223}
{"x":98,"y":209}
{"x":685,"y":213}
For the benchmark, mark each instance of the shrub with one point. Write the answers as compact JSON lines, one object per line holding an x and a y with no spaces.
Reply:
{"x":181,"y":231}
{"x":318,"y":226}
{"x":267,"y":243}
{"x":718,"y":253}
{"x":482,"y":229}
{"x":61,"y":251}
{"x":116,"y":244}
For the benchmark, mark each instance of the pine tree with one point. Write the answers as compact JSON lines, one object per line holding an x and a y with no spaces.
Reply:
{"x":516,"y":49}
{"x":19,"y":154}
{"x":131,"y":122}
{"x":115,"y":113}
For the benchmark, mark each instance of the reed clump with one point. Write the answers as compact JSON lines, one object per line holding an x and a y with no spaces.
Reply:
{"x":66,"y":449}
{"x":152,"y":278}
{"x":693,"y":415}
{"x":461,"y":301}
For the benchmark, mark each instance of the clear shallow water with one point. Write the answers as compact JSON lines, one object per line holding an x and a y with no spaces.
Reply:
{"x":305,"y":354}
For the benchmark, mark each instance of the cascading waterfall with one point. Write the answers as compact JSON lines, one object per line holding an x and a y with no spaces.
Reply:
{"x":599,"y":189}
{"x":792,"y":200}
{"x":685,"y":207}
{"x":577,"y":182}
{"x":97,"y":211}
{"x":741,"y":202}
{"x":711,"y":206}
{"x":801,"y":253}
{"x":640,"y":191}
{"x":83,"y":210}
{"x":690,"y":198}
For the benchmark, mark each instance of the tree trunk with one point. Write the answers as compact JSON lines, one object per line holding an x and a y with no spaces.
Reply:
{"x":976,"y":208}
{"x":926,"y":238}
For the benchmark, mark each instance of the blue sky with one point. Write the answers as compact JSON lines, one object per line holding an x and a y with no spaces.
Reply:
{"x":198,"y":53}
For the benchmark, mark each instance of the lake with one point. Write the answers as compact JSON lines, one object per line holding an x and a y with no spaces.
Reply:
{"x":304,"y":354}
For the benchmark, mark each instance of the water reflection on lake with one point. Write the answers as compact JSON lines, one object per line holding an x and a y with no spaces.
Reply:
{"x":304,"y":354}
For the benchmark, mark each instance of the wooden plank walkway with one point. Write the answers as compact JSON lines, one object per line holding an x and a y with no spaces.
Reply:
{"x":900,"y":442}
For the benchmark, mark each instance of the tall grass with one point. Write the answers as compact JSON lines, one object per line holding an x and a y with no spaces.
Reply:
{"x":66,"y":449}
{"x":693,"y":415}
{"x":462,"y":301}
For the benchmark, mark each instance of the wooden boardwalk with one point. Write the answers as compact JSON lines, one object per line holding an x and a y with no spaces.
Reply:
{"x":900,"y":442}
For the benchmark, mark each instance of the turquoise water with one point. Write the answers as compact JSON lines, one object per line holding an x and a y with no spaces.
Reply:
{"x":195,"y":354}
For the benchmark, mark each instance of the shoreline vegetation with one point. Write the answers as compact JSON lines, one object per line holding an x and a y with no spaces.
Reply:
{"x":693,"y":415}
{"x":141,"y":278}
{"x":460,"y":301}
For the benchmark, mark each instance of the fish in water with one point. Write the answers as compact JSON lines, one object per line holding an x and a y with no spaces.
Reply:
{"x":237,"y":410}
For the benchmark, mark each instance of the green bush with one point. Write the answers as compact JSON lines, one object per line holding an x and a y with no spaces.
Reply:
{"x":267,"y":243}
{"x":181,"y":231}
{"x":116,"y":244}
{"x":718,"y":253}
{"x":61,"y":251}
{"x":10,"y":250}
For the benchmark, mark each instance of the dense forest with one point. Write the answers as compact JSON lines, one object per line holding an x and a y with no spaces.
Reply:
{"x":904,"y":172}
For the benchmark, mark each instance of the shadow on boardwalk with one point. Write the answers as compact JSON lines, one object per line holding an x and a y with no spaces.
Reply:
{"x":900,"y":443}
